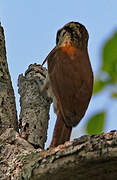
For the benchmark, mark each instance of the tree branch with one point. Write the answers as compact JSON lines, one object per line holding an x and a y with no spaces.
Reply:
{"x":89,"y":157}
{"x":8,"y":114}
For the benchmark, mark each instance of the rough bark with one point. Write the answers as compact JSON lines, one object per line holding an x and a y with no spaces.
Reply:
{"x":35,"y":107}
{"x":8,"y":114}
{"x":89,"y":157}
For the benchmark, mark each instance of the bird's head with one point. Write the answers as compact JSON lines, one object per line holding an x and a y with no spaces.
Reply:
{"x":72,"y":33}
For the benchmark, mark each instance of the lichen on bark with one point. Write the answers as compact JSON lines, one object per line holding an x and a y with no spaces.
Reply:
{"x":35,"y":107}
{"x":89,"y":157}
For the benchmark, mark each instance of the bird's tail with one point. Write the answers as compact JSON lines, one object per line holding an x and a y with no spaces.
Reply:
{"x":61,"y":132}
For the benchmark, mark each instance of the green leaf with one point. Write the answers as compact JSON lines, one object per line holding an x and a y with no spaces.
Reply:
{"x":95,"y":124}
{"x":99,"y":85}
{"x":109,"y":58}
{"x":114,"y":94}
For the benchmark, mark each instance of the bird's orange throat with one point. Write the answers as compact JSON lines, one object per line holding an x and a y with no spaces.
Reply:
{"x":70,"y":50}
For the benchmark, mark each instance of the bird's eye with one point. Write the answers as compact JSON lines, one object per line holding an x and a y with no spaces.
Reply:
{"x":58,"y":33}
{"x":57,"y":37}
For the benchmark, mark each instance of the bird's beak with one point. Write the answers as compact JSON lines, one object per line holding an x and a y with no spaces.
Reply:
{"x":44,"y":61}
{"x":51,"y":53}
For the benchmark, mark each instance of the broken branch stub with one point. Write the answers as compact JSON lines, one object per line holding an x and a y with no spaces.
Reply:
{"x":35,"y":107}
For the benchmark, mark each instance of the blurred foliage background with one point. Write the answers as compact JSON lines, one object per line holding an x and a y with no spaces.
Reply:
{"x":106,"y":76}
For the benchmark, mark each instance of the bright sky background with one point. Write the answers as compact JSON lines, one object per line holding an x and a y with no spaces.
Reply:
{"x":30,"y":30}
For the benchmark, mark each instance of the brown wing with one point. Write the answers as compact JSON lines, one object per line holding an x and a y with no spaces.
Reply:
{"x":72,"y":82}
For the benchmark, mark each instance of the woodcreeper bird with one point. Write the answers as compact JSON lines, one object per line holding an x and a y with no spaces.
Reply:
{"x":70,"y":79}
